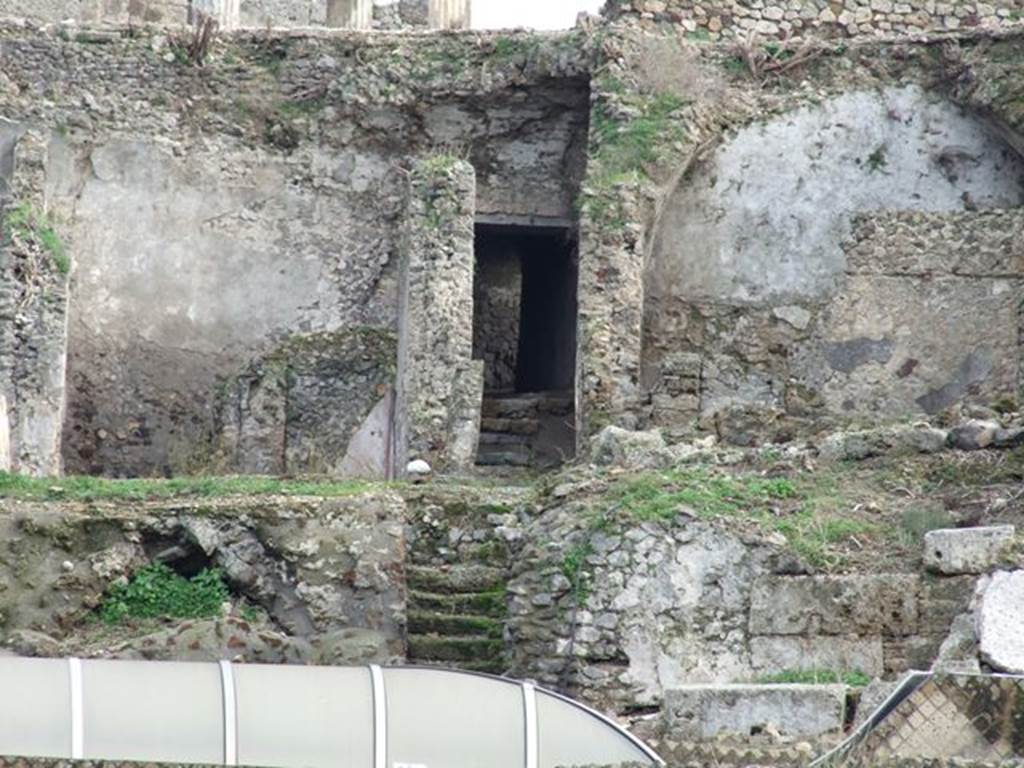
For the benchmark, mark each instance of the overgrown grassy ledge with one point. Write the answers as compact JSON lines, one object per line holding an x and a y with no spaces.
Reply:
{"x":79,"y":488}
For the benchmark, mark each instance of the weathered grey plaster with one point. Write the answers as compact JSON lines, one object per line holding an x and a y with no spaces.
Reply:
{"x":763,"y":220}
{"x":186,"y":267}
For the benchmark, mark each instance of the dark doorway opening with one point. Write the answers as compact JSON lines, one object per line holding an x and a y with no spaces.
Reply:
{"x":524,"y":329}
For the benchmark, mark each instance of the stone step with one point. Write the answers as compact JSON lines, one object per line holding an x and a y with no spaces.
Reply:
{"x":509,"y":408}
{"x":736,"y":711}
{"x":507,"y":456}
{"x":428,"y":623}
{"x":456,"y":649}
{"x":503,"y":439}
{"x":455,"y":578}
{"x":558,"y":404}
{"x":527,"y":405}
{"x":510,"y":426}
{"x":493,"y":604}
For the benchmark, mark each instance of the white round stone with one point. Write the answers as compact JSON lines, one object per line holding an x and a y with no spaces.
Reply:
{"x":417,"y":467}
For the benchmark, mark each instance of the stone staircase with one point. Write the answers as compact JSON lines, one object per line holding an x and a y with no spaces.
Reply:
{"x":456,"y":616}
{"x":533,"y":430}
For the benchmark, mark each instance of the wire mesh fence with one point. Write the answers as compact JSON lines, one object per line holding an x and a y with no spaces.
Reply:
{"x":978,"y":718}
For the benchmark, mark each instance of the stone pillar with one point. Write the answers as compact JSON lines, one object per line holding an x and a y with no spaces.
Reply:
{"x":440,"y":386}
{"x":227,"y":13}
{"x":610,"y":330}
{"x":33,"y":308}
{"x":449,"y":14}
{"x":350,"y":14}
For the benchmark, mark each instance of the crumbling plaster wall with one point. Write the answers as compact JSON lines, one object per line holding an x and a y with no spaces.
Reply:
{"x":211,"y":213}
{"x":751,"y":263}
{"x":648,"y":354}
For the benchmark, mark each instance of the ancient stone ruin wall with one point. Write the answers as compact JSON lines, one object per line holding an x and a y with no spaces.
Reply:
{"x":34,"y":308}
{"x":641,"y":609}
{"x":738,"y":19}
{"x":314,"y":569}
{"x":234,"y":14}
{"x":789,"y":311}
{"x":715,"y":289}
{"x":195,"y":254}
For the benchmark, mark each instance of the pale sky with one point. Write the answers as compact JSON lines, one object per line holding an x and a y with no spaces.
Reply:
{"x":539,"y":14}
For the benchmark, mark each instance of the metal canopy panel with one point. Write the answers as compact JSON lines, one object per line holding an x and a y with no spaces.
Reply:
{"x":297,"y":717}
{"x":313,"y":717}
{"x":35,"y":715}
{"x":152,"y":712}
{"x":570,"y":734}
{"x":439,"y":719}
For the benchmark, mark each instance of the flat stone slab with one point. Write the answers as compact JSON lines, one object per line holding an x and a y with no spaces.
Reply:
{"x":954,"y":551}
{"x":1000,"y":620}
{"x":773,"y":655}
{"x":878,"y":604}
{"x":701,"y":712}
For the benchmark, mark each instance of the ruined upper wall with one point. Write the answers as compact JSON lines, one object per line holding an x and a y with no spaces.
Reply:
{"x":726,"y":19}
{"x":234,"y":14}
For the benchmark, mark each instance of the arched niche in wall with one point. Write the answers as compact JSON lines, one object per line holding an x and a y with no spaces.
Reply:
{"x":774,"y":270}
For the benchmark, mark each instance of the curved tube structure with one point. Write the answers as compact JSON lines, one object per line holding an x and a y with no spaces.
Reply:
{"x":297,"y":717}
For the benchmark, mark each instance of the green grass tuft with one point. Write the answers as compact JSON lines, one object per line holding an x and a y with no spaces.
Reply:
{"x":83,"y":488}
{"x":661,"y":496}
{"x":156,"y":591}
{"x":852,"y":678}
{"x":35,"y":226}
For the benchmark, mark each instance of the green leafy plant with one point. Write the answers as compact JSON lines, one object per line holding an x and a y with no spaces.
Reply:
{"x":156,"y":591}
{"x":574,"y":564}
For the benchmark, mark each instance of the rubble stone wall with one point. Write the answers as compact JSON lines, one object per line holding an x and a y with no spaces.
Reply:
{"x":234,"y":14}
{"x":33,"y":312}
{"x":314,"y":567}
{"x":440,"y":386}
{"x":730,"y":19}
{"x":619,"y":613}
{"x":318,"y":404}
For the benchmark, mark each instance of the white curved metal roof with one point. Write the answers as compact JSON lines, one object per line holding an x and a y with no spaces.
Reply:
{"x":269,"y":716}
